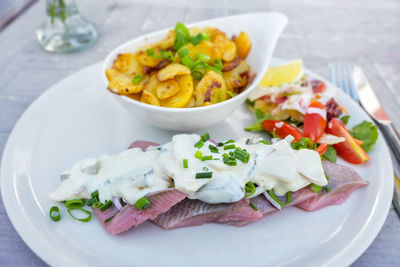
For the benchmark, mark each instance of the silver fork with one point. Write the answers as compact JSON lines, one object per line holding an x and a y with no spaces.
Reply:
{"x":341,"y":77}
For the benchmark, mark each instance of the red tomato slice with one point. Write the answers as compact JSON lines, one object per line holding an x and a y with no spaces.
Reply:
{"x":282,"y":129}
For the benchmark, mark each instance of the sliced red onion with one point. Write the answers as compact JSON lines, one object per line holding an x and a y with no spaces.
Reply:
{"x":80,"y":190}
{"x":272,"y":201}
{"x":213,"y":141}
{"x":117,"y":203}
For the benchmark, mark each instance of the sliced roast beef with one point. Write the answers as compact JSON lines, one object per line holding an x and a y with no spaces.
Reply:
{"x":343,"y":180}
{"x":194,"y":212}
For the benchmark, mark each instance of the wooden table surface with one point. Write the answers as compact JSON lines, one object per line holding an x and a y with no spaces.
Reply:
{"x":362,"y":32}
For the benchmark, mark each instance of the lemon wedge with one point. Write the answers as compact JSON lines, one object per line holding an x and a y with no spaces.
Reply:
{"x":287,"y":73}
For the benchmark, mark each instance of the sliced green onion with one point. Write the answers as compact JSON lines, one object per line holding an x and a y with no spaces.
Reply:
{"x":250,"y":188}
{"x":241,"y":155}
{"x":203,"y":57}
{"x":55,"y":213}
{"x":150,"y":52}
{"x":182,"y":35}
{"x":198,"y":38}
{"x":187,"y":61}
{"x":288,"y":198}
{"x":214,"y":69}
{"x":185,"y":163}
{"x":199,"y":144}
{"x":197,"y":75}
{"x":213,"y":149}
{"x":87,"y":219}
{"x":75,"y":203}
{"x":109,"y":219}
{"x":224,"y":92}
{"x":136,"y":79}
{"x":198,"y":154}
{"x":204,"y":158}
{"x":203,"y":175}
{"x":316,"y":188}
{"x":142,"y":203}
{"x":166,"y":54}
{"x":97,"y":205}
{"x":95,"y":193}
{"x":205,"y":137}
{"x":91,"y":201}
{"x":218,"y":64}
{"x":105,"y":205}
{"x":229,"y":147}
{"x":205,"y":169}
{"x":183,"y":52}
{"x":328,"y":189}
{"x":253,"y":206}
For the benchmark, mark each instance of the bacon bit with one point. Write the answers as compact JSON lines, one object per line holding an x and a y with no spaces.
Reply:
{"x":231,"y":65}
{"x":359,"y":142}
{"x":343,"y":109}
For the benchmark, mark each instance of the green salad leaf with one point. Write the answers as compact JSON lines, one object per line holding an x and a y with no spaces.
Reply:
{"x":367,"y":132}
{"x":330,"y":154}
{"x":345,"y":119}
{"x":260,"y":118}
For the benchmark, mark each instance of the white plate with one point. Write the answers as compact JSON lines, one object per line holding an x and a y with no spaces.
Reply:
{"x":77,"y":118}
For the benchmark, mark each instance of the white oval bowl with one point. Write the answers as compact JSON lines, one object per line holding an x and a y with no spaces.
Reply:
{"x":264,"y":30}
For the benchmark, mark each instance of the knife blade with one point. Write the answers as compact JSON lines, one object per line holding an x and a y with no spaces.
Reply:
{"x":373,"y":107}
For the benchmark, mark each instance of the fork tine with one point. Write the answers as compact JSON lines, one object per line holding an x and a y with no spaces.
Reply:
{"x":333,"y":74}
{"x":352,"y":86}
{"x":346,"y":77}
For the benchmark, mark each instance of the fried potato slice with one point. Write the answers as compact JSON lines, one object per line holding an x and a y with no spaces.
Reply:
{"x":236,"y":77}
{"x":149,"y":98}
{"x":243,"y":44}
{"x":168,"y":41}
{"x":182,"y":98}
{"x":172,"y":70}
{"x":209,"y":89}
{"x":191,"y":103}
{"x":168,"y":88}
{"x":112,"y":72}
{"x":135,"y":96}
{"x":122,"y":84}
{"x":204,"y":47}
{"x":128,"y":63}
{"x":146,"y":60}
{"x":225,"y":45}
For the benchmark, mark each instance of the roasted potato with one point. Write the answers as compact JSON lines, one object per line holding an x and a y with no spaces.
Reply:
{"x":112,"y":72}
{"x":243,"y":44}
{"x":237,"y":77}
{"x":169,"y":41}
{"x":182,"y":98}
{"x":168,"y":88}
{"x":204,"y":47}
{"x":122,"y":84}
{"x":135,"y":96}
{"x":225,"y":45}
{"x":149,"y":98}
{"x":145,"y":59}
{"x":172,"y":70}
{"x":210,"y":88}
{"x":191,"y":103}
{"x":128,"y":63}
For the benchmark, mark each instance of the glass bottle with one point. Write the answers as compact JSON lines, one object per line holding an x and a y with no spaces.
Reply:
{"x":65,"y":30}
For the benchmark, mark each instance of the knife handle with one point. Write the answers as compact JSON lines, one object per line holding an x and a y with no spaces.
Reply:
{"x":392,"y":137}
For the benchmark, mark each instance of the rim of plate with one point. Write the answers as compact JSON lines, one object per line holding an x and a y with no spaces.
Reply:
{"x":40,"y":246}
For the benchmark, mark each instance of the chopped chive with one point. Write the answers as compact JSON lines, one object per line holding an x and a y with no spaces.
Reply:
{"x":198,"y":154}
{"x":288,"y":198}
{"x":265,"y":142}
{"x":328,"y":189}
{"x":203,"y":175}
{"x":185,"y":163}
{"x":208,"y":157}
{"x":229,"y":147}
{"x":55,"y":213}
{"x":86,"y":219}
{"x":91,"y":201}
{"x":213,"y":149}
{"x":105,"y":205}
{"x":241,"y":155}
{"x":225,"y":155}
{"x":75,"y":203}
{"x":229,"y":141}
{"x":136,"y":79}
{"x":216,"y":158}
{"x":143,"y":203}
{"x":97,"y":205}
{"x":95,"y":193}
{"x":250,"y":188}
{"x":316,"y":188}
{"x":150,"y":52}
{"x":109,"y":219}
{"x":230,"y":161}
{"x":205,"y":169}
{"x":199,"y":144}
{"x":253,"y":206}
{"x":247,"y":141}
{"x":205,"y":137}
{"x":220,"y":144}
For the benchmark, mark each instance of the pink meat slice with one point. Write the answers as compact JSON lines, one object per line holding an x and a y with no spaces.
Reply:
{"x":130,"y":216}
{"x":194,"y":212}
{"x":343,"y":180}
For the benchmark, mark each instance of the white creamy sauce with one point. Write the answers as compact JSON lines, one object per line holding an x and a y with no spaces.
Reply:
{"x":134,"y":173}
